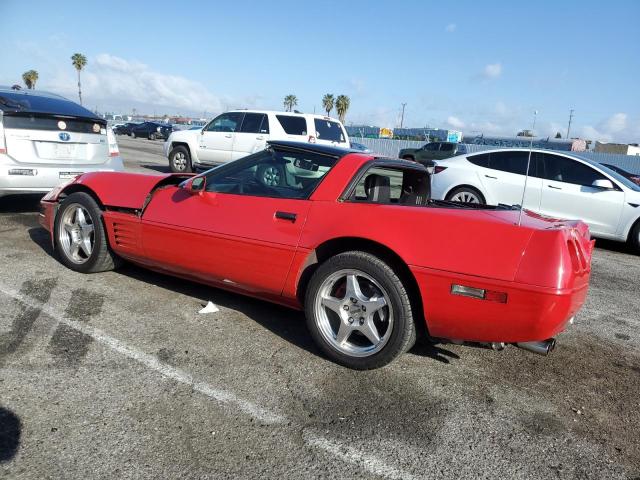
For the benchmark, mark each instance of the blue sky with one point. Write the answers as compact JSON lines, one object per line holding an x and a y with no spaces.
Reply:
{"x":474,"y":66}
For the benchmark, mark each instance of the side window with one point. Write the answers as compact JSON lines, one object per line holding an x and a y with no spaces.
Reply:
{"x":293,"y":125}
{"x":446,"y":147}
{"x":392,"y":186}
{"x":432,"y":147}
{"x":227,"y":122}
{"x":481,"y":160}
{"x":511,"y":162}
{"x":328,"y":130}
{"x":271,"y":173}
{"x":252,"y":123}
{"x":563,"y":169}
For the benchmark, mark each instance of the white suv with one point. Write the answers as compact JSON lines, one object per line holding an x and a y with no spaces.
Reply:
{"x":46,"y":139}
{"x":239,"y":133}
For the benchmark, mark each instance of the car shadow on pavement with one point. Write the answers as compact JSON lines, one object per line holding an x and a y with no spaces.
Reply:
{"x":26,"y":203}
{"x":610,"y":245}
{"x":157,"y":168}
{"x":10,"y":432}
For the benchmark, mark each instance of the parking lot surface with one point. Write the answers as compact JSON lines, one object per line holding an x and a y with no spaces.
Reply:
{"x":116,"y":375}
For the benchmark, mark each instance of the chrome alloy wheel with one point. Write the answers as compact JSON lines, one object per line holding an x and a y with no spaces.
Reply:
{"x":353,"y":313}
{"x":271,"y":176}
{"x":180,"y":161}
{"x":76,"y":233}
{"x":465,"y":197}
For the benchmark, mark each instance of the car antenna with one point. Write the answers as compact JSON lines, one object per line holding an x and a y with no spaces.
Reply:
{"x":526,"y":173}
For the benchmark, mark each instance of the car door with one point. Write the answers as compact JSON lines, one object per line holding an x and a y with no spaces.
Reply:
{"x":568,"y":192}
{"x":215,"y":142}
{"x":243,"y":230}
{"x":252,"y":135}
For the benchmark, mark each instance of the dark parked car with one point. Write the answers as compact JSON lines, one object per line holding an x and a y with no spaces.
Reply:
{"x":432,"y":151}
{"x":124,"y":129}
{"x":635,"y":178}
{"x":152,"y":130}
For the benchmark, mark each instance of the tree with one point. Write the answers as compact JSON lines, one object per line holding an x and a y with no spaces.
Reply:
{"x":558,"y":135}
{"x":342,"y":105}
{"x":30,"y":78}
{"x":79,"y":61}
{"x":327,"y":103}
{"x":290,"y":101}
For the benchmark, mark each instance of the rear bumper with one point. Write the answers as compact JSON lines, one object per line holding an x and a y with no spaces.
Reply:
{"x":531,"y":313}
{"x":46,"y":177}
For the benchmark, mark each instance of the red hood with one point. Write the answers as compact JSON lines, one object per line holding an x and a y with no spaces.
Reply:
{"x":117,"y":189}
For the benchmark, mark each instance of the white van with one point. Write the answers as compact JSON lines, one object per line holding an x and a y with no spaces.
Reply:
{"x":239,"y":133}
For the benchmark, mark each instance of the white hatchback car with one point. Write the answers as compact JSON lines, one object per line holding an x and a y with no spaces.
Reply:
{"x":239,"y":133}
{"x":46,"y":139}
{"x":560,"y":185}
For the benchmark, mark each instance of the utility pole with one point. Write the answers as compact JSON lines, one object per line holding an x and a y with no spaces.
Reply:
{"x":569,"y":126}
{"x":402,"y":116}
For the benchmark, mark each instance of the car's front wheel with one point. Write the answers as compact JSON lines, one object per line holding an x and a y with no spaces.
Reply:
{"x":80,"y":238}
{"x":358,"y":311}
{"x":466,"y":195}
{"x":133,"y":134}
{"x":180,"y":160}
{"x":152,"y":136}
{"x":634,"y":237}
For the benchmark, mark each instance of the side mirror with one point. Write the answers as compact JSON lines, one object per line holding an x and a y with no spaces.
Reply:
{"x":602,"y":183}
{"x":195,"y":185}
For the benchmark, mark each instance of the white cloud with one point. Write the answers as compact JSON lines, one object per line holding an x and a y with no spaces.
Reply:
{"x":117,"y":81}
{"x":615,"y":128}
{"x":450,"y":28}
{"x":492,"y":70}
{"x":616,"y":123}
{"x":455,"y":122}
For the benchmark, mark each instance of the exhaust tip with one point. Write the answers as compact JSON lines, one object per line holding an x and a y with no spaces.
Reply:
{"x":545,"y":347}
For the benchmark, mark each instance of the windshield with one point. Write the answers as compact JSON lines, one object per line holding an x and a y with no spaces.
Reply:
{"x":620,"y":178}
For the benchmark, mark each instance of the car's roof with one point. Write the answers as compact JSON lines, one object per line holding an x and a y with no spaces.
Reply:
{"x":319,"y":148}
{"x":566,"y":153}
{"x":280,"y":112}
{"x":30,"y":101}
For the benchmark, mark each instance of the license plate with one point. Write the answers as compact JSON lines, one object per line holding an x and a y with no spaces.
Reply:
{"x":70,"y":174}
{"x":64,"y":150}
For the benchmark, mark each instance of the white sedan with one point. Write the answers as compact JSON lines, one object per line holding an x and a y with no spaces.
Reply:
{"x":561,"y":185}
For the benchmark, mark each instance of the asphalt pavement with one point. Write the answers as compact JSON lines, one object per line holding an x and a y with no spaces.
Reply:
{"x":116,"y":375}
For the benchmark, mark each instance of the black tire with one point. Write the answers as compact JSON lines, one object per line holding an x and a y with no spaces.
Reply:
{"x":466,"y":190}
{"x":102,"y":258}
{"x":634,"y":238}
{"x":176,"y":164}
{"x":133,"y":134}
{"x":152,"y":136}
{"x":403,"y":333}
{"x":271,"y":175}
{"x":411,"y":158}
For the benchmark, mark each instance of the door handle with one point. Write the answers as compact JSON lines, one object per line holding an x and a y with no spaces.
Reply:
{"x":286,"y":216}
{"x":489,"y":176}
{"x":259,"y":138}
{"x":554,"y":187}
{"x":227,"y":136}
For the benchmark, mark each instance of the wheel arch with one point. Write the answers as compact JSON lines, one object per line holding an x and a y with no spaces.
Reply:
{"x":78,"y":187}
{"x":181,"y":144}
{"x":339,"y":245}
{"x":467,"y":185}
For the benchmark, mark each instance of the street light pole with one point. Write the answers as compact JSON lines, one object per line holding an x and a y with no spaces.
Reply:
{"x":402,"y":116}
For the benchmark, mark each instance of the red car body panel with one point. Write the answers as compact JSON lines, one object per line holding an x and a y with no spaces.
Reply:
{"x":236,"y":242}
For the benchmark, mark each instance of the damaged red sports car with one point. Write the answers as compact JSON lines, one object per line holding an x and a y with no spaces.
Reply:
{"x":351,"y":238}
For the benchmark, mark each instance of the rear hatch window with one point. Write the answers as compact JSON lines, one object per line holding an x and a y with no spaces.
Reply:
{"x":329,"y":131}
{"x":293,"y":125}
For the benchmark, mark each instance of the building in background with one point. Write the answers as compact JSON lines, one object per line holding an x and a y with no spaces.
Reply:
{"x":418,"y":134}
{"x":620,"y":148}
{"x":572,"y":144}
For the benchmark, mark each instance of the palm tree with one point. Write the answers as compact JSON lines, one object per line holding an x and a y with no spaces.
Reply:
{"x":290,"y":101}
{"x":328,"y":102}
{"x":79,"y":61}
{"x":30,"y":77}
{"x":342,"y":105}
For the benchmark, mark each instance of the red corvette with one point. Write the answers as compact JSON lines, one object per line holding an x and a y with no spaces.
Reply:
{"x":350,"y":238}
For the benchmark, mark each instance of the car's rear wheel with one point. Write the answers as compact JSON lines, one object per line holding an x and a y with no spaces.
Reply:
{"x":80,"y":238}
{"x":180,"y":160}
{"x":466,"y":195}
{"x":409,"y":157}
{"x":358,"y":311}
{"x":634,"y":237}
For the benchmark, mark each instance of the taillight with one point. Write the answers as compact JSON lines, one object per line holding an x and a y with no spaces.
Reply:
{"x":113,"y":143}
{"x":439,"y":168}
